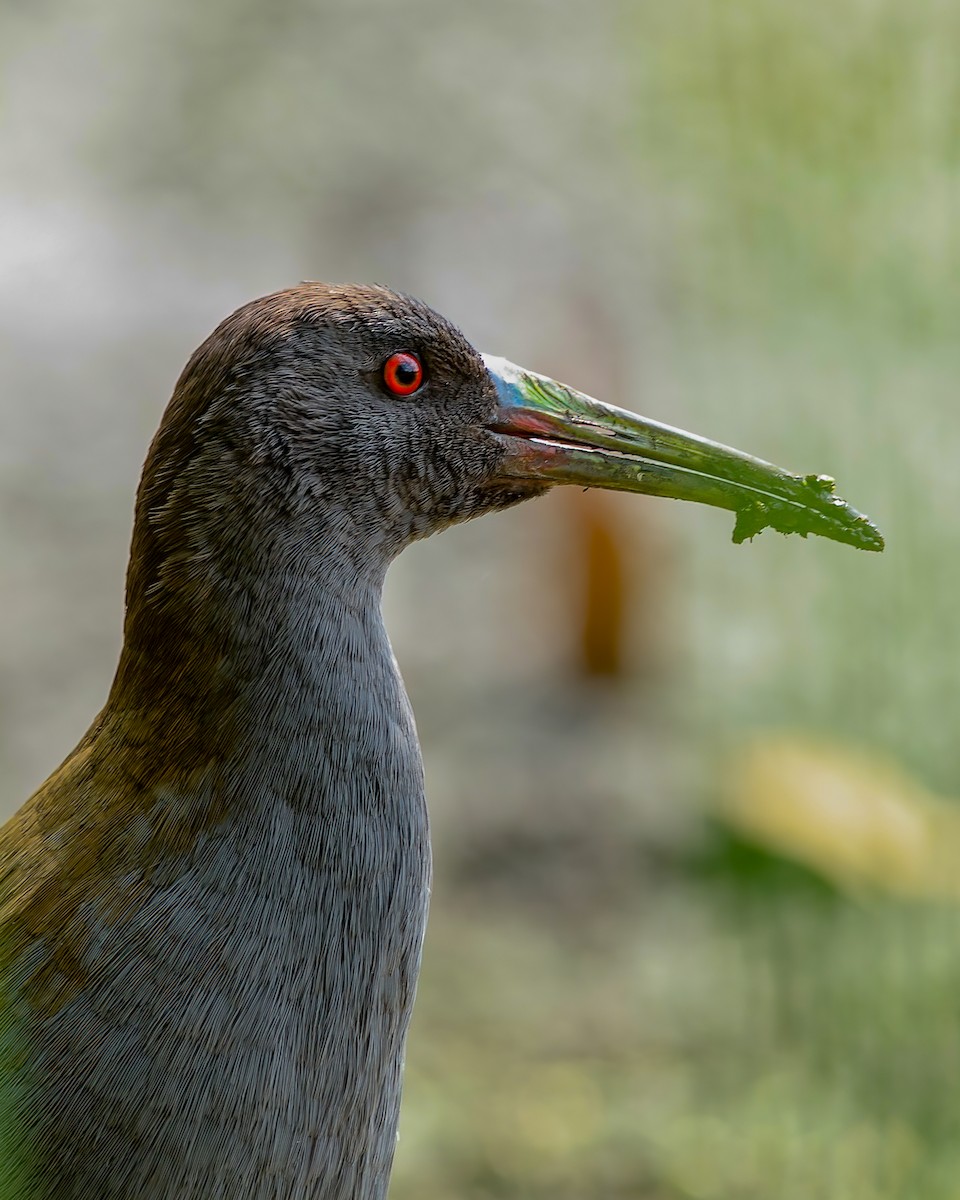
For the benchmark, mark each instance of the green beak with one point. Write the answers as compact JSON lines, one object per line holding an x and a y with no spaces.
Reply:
{"x":557,"y":435}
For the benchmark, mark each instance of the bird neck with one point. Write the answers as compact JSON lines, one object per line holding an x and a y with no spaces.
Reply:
{"x":270,"y":890}
{"x":273,"y":663}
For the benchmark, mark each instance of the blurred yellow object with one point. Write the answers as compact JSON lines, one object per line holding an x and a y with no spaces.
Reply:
{"x":859,"y":820}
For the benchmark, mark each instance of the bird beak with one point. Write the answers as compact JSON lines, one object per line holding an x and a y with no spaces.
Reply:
{"x":555,"y":434}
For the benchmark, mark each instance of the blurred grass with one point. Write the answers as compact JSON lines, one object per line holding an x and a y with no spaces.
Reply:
{"x":747,"y":1048}
{"x":809,"y":151}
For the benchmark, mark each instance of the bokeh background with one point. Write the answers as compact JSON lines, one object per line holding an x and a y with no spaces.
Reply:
{"x":698,"y":855}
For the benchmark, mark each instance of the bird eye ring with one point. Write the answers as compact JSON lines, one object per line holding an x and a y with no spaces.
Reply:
{"x":403,"y":373}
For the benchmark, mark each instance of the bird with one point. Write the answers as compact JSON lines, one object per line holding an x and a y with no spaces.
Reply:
{"x":212,"y":913}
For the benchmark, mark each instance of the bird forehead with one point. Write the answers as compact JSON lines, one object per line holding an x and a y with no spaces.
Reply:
{"x":385,"y":331}
{"x":375,"y":320}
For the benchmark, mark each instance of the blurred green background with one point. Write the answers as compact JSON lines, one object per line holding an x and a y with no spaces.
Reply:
{"x":694,"y":931}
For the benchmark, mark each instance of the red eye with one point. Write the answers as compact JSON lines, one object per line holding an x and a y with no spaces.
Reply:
{"x":402,"y":373}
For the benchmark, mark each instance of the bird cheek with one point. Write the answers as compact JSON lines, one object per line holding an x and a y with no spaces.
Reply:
{"x":490,"y":491}
{"x":483,"y":453}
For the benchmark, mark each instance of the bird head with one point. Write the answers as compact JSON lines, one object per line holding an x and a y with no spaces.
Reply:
{"x":327,"y":418}
{"x":356,"y":417}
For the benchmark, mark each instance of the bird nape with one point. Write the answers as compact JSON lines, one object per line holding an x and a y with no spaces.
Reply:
{"x":214,"y":908}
